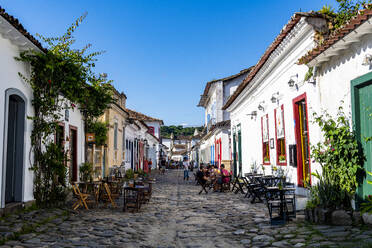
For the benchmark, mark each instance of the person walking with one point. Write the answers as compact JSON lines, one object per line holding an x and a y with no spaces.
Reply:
{"x":186,"y":167}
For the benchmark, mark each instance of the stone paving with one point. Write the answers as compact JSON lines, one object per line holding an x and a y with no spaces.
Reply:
{"x":175,"y":217}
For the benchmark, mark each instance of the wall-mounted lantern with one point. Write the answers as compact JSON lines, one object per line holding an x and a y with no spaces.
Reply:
{"x":292,"y":82}
{"x":253,"y":114}
{"x":261,"y":106}
{"x":275,"y":98}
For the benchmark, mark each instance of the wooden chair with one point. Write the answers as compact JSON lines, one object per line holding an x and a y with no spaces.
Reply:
{"x":238,"y":185}
{"x":81,"y":198}
{"x":132,"y":199}
{"x":107,"y":197}
{"x":206,"y":186}
{"x":227,"y":185}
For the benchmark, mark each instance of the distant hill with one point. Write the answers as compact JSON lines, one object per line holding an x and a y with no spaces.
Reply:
{"x":166,"y":131}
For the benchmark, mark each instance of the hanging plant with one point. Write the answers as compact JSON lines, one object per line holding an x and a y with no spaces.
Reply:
{"x":100,"y":130}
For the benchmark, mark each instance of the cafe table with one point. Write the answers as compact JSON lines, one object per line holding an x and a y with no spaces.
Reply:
{"x":281,"y":192}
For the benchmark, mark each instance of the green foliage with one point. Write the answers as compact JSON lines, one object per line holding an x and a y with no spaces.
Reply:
{"x":346,"y":10}
{"x":309,"y":74}
{"x":100,"y":130}
{"x":366,"y":207}
{"x":327,"y":194}
{"x":140,"y":173}
{"x":281,"y":157}
{"x":56,"y":72}
{"x":339,"y":155}
{"x":86,"y":172}
{"x":129,"y":174}
{"x":166,"y":131}
{"x":50,"y":176}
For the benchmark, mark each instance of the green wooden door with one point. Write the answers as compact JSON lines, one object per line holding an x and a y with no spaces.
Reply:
{"x":234,"y":155}
{"x":240,"y":152}
{"x":362,"y":121}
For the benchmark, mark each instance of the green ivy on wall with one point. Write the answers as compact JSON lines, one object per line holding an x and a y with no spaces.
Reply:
{"x":60,"y":77}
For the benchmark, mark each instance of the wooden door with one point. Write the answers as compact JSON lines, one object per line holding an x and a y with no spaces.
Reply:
{"x":73,"y":154}
{"x":362,"y":120}
{"x":302,"y":141}
{"x":234,"y":155}
{"x":14,"y":150}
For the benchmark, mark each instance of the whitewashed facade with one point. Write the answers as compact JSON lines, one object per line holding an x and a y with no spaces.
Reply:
{"x":215,"y":144}
{"x":271,"y":114}
{"x":343,"y":77}
{"x":16,"y":178}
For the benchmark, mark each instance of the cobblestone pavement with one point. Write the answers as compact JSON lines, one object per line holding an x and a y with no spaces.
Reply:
{"x":175,"y":217}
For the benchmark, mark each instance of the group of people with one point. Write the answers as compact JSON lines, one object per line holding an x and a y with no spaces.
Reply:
{"x":213,"y":175}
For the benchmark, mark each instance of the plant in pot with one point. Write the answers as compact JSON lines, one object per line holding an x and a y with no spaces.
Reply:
{"x":340,"y":159}
{"x":86,"y":172}
{"x":282,"y":158}
{"x":129,"y":174}
{"x":366,"y":209}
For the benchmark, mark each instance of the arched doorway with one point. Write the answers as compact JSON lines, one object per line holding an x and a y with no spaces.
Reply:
{"x":14,"y":163}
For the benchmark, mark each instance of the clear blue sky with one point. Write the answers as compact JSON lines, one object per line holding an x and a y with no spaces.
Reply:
{"x":161,"y":53}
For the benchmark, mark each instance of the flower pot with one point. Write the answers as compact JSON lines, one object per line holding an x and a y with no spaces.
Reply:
{"x":367,"y":218}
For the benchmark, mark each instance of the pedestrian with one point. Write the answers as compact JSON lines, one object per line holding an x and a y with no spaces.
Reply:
{"x":186,"y":166}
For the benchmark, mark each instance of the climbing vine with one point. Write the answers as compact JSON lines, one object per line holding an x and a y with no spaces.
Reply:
{"x":61,"y":78}
{"x":345,"y":11}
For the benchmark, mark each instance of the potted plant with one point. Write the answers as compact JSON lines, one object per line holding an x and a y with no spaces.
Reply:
{"x":282,"y":158}
{"x":129,"y":174}
{"x":266,"y":160}
{"x":366,"y":209}
{"x":86,"y":172}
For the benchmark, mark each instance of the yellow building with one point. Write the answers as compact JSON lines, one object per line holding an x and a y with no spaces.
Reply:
{"x":113,"y":153}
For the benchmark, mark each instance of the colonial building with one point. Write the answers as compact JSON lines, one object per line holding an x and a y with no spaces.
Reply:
{"x":342,"y":75}
{"x":16,"y":178}
{"x":270,"y":110}
{"x":147,"y":141}
{"x":215,"y":144}
{"x":178,"y":147}
{"x":112,"y":154}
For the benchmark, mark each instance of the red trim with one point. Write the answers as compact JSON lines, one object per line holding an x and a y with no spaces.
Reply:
{"x":298,"y":138}
{"x":267,"y":125}
{"x":276,"y":139}
{"x":220,"y":160}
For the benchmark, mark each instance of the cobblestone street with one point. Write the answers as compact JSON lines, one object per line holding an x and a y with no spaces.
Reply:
{"x":175,"y":217}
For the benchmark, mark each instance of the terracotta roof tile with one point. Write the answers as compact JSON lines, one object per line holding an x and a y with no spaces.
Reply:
{"x":139,"y":116}
{"x":209,"y":84}
{"x":285,"y":31}
{"x":335,"y":37}
{"x":17,"y":25}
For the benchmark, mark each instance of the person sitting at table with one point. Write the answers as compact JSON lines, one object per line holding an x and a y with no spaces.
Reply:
{"x":223,"y":177}
{"x":200,"y":174}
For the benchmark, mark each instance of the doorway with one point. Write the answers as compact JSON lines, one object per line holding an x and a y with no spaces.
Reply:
{"x":361,"y":100}
{"x":73,"y":154}
{"x":302,"y":140}
{"x":234,"y":154}
{"x":14,"y":149}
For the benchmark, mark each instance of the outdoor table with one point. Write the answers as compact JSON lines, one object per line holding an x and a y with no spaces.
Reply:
{"x":134,"y":197}
{"x":281,"y":194}
{"x":96,"y":186}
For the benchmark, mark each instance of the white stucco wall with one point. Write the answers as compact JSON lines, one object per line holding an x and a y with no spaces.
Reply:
{"x":272,"y":80}
{"x":334,"y":77}
{"x":9,"y":69}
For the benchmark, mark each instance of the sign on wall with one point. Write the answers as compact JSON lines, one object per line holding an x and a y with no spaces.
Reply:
{"x":265,"y":133}
{"x":279,"y":123}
